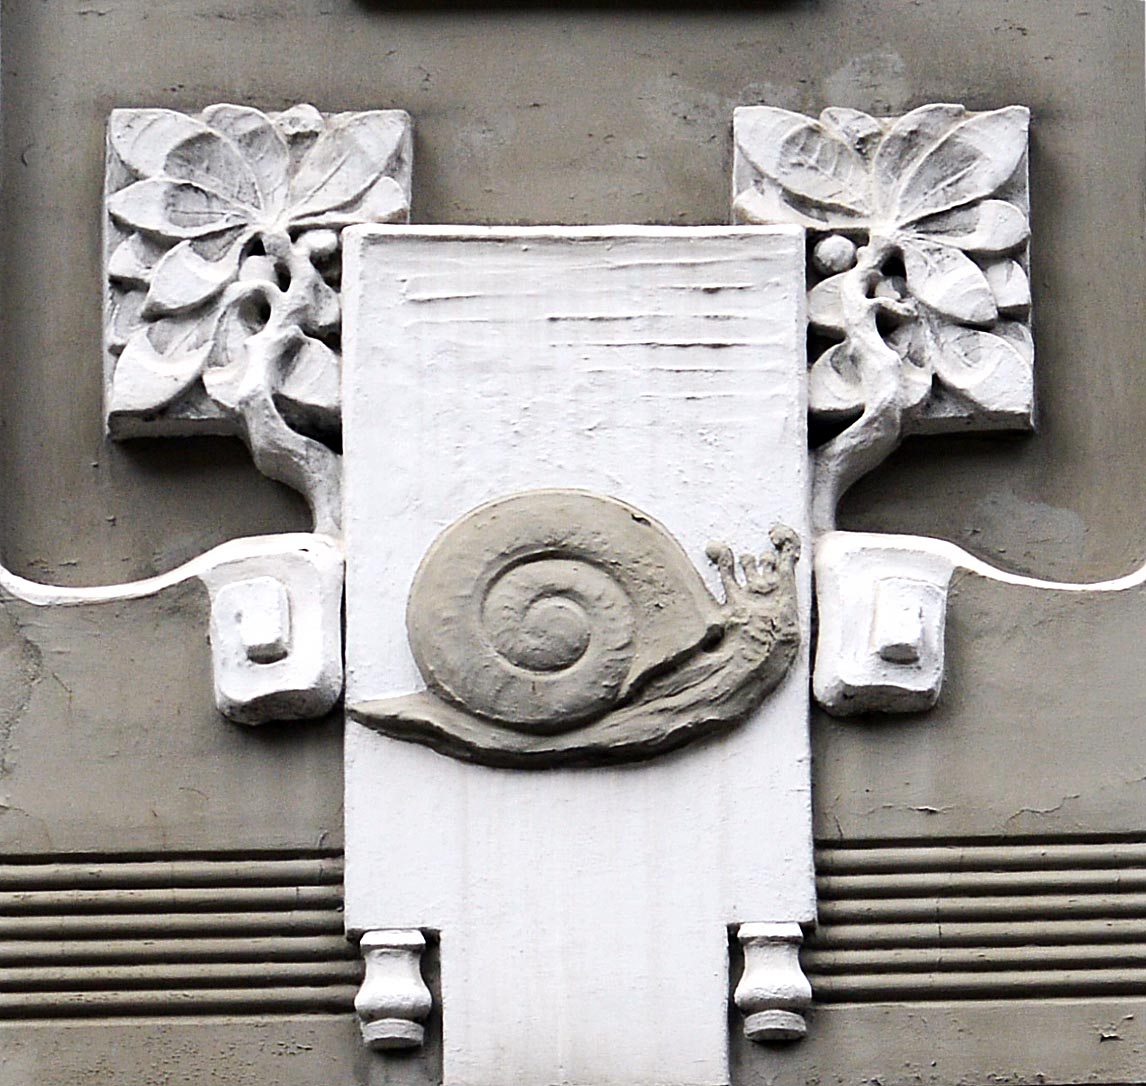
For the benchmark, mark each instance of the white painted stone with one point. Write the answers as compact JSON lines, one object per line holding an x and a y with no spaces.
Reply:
{"x":882,"y":608}
{"x":902,"y":619}
{"x":222,"y":236}
{"x":583,"y":912}
{"x":925,"y":327}
{"x":276,"y":636}
{"x":259,"y":612}
{"x":393,"y":999}
{"x":773,"y":992}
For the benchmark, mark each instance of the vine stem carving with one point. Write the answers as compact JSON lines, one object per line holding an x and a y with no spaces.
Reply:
{"x":245,"y":388}
{"x":864,"y":444}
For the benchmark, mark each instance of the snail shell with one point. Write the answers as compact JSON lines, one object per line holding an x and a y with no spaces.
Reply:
{"x":542,"y":611}
{"x":559,"y":627}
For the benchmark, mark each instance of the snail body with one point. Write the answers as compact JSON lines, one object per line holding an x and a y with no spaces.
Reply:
{"x":563,"y":627}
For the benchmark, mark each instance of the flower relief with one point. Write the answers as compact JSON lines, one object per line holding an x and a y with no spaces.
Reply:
{"x":919,"y":299}
{"x":224,"y":245}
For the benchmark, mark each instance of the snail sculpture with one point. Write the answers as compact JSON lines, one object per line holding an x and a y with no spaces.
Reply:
{"x":559,"y":627}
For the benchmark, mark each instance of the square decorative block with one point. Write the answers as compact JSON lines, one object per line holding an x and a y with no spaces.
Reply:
{"x":577,"y":744}
{"x":223,"y":227}
{"x":918,"y":230}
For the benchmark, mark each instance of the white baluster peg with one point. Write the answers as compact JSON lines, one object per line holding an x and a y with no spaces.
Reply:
{"x":773,"y":992}
{"x":393,"y":999}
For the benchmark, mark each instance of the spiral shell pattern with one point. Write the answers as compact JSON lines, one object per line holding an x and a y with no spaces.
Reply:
{"x":543,"y":610}
{"x":560,"y":627}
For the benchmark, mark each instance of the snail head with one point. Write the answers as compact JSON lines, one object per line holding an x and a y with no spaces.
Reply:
{"x":762,"y":575}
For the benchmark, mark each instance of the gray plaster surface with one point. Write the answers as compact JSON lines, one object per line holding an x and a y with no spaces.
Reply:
{"x":110,"y":740}
{"x":1035,"y":732}
{"x":576,"y":114}
{"x":946,"y":1043}
{"x":283,"y":1052}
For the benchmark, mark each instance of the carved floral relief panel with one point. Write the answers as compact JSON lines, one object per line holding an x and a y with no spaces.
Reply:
{"x":223,"y":268}
{"x":919,"y":299}
{"x":508,"y":605}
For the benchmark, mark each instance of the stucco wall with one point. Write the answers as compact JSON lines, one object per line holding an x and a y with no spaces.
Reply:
{"x":532,"y":113}
{"x":572,"y":113}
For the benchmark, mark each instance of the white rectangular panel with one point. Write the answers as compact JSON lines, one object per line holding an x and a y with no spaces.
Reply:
{"x":583,"y":912}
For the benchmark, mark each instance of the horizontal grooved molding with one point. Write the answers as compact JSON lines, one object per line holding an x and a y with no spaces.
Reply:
{"x":225,"y":898}
{"x":162,"y":874}
{"x":281,"y":947}
{"x":984,"y":883}
{"x":979,"y":921}
{"x":330,"y":999}
{"x":152,"y":925}
{"x":186,"y":936}
{"x":190,"y":937}
{"x":897,"y":860}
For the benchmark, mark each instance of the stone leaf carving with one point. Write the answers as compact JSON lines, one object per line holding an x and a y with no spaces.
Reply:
{"x":559,"y":626}
{"x":223,"y":264}
{"x":920,"y":301}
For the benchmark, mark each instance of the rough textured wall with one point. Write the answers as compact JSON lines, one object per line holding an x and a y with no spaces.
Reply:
{"x":602,"y":113}
{"x":576,"y":114}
